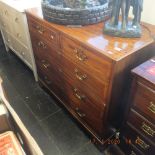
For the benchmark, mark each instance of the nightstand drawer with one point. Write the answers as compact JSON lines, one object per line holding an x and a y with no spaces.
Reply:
{"x":142,"y":125}
{"x":136,"y":140}
{"x":91,"y":63}
{"x":144,"y":100}
{"x":50,"y":35}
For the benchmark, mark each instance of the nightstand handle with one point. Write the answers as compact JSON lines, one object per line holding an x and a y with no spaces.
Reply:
{"x":152,"y":107}
{"x":141,"y":143}
{"x":148,"y":130}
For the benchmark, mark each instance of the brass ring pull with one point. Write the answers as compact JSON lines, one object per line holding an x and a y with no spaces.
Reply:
{"x":76,"y":93}
{"x":148,"y":130}
{"x":141,"y":143}
{"x":152,"y":107}
{"x":80,"y":55}
{"x":40,"y":30}
{"x":80,"y":77}
{"x":42,"y":44}
{"x":80,"y":113}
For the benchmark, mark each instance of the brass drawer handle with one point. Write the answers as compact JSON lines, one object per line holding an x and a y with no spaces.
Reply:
{"x":52,"y":37}
{"x":76,"y":93}
{"x":39,"y":29}
{"x":80,"y":113}
{"x":42,"y":44}
{"x":148,"y":130}
{"x":45,"y":65}
{"x":80,"y":77}
{"x":152,"y":107}
{"x":80,"y":55}
{"x":141,"y":143}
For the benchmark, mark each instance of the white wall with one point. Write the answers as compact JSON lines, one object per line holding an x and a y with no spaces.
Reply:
{"x":148,"y":14}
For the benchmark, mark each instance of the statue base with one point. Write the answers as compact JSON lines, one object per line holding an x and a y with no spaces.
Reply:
{"x":131,"y":31}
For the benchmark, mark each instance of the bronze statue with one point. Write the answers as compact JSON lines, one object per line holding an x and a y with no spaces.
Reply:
{"x":125,"y":27}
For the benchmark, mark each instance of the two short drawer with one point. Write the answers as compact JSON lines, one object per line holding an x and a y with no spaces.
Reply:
{"x":42,"y":31}
{"x":144,"y":100}
{"x":92,"y":63}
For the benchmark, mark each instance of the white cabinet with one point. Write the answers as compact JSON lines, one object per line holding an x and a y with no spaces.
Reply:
{"x":14,"y":29}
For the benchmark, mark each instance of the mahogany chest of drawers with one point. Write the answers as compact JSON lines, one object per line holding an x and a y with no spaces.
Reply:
{"x":86,"y":70}
{"x":139,"y":130}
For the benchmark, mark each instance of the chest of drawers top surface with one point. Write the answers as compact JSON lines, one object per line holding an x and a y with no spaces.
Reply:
{"x":146,"y":71}
{"x":92,"y":36}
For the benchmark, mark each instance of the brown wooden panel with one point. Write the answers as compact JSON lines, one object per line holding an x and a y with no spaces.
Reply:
{"x":91,"y":63}
{"x":142,"y":125}
{"x":144,"y":100}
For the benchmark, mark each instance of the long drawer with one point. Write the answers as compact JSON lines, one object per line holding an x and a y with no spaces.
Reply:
{"x":87,"y":60}
{"x":42,"y":31}
{"x":144,"y":100}
{"x":142,"y":125}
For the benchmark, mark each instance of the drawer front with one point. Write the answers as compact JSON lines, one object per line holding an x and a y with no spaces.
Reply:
{"x":43,"y":50}
{"x":20,"y":31}
{"x":6,"y":26}
{"x":87,"y":60}
{"x":142,"y":125}
{"x":144,"y":100}
{"x":5,"y":11}
{"x":25,"y":53}
{"x":49,"y":34}
{"x":22,"y":51}
{"x":52,"y":80}
{"x":7,"y":37}
{"x":136,"y":140}
{"x":91,"y":86}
